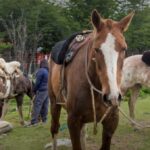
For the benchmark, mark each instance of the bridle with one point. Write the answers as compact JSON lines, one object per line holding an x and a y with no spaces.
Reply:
{"x":86,"y":72}
{"x":92,"y":89}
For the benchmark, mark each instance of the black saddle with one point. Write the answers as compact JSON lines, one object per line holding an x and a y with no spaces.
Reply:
{"x":61,"y":50}
{"x":146,"y":58}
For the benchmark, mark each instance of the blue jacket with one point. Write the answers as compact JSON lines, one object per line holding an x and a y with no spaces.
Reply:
{"x":41,"y":83}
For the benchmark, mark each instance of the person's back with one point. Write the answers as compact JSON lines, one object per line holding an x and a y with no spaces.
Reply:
{"x":42,"y":77}
{"x":40,"y":107}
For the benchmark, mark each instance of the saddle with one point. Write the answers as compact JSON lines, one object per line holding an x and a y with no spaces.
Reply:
{"x":146,"y":58}
{"x":7,"y":85}
{"x":64,"y":51}
{"x":3,"y":87}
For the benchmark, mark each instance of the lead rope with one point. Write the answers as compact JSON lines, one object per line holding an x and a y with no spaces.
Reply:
{"x":128,"y":118}
{"x":137,"y":125}
{"x":92,"y":89}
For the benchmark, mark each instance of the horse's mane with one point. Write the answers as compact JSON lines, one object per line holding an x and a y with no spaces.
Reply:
{"x":146,"y":57}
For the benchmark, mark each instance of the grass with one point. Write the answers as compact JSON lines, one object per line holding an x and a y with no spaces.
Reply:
{"x":34,"y":138}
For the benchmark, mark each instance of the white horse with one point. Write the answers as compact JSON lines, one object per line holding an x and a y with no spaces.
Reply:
{"x":136,"y":73}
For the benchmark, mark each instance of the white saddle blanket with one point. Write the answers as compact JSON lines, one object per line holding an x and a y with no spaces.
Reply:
{"x":9,"y":67}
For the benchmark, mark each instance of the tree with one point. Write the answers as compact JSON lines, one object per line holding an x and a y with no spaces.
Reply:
{"x":80,"y":10}
{"x":33,"y":23}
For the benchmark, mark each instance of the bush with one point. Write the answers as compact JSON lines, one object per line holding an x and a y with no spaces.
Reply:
{"x":144,"y":91}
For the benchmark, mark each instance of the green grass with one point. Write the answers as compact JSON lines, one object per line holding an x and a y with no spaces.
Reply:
{"x":35,"y":138}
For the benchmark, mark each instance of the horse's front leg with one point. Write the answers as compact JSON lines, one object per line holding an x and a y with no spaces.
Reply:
{"x":133,"y":98}
{"x":83,"y":137}
{"x":109,"y":126}
{"x":19,"y":100}
{"x":55,"y":115}
{"x":75,"y":126}
{"x":4,"y":109}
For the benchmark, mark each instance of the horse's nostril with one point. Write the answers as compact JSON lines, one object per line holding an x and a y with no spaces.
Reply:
{"x":105,"y":97}
{"x":120,"y":97}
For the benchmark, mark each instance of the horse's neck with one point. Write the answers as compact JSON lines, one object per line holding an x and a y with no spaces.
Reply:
{"x":29,"y":89}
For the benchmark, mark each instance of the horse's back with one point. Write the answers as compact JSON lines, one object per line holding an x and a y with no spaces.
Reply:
{"x":135,"y":71}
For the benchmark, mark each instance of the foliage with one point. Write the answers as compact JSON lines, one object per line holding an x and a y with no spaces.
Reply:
{"x":80,"y":10}
{"x":49,"y":21}
{"x":138,"y":34}
{"x":144,"y":92}
{"x":45,"y":21}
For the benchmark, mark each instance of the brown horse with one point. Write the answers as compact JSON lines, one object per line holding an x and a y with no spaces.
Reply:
{"x":135,"y":75}
{"x":102,"y":59}
{"x":22,"y":85}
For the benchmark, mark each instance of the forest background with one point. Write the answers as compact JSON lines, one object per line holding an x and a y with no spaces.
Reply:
{"x":28,"y":26}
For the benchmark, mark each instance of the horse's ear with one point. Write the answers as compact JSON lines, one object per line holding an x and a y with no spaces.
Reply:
{"x":125,"y":22}
{"x":96,"y":19}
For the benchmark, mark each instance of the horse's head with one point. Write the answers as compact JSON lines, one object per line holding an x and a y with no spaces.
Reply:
{"x":109,"y":48}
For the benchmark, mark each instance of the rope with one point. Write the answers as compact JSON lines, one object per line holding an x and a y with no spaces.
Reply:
{"x":92,"y":92}
{"x":139,"y":126}
{"x":92,"y":89}
{"x":31,"y":106}
{"x":103,"y":117}
{"x":86,"y":72}
{"x":94,"y":112}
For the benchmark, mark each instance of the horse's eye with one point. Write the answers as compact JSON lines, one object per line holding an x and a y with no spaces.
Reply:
{"x":97,"y":49}
{"x":124,"y":49}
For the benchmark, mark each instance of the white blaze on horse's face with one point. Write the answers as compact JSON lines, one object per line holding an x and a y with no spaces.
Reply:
{"x":109,"y":45}
{"x":111,"y":57}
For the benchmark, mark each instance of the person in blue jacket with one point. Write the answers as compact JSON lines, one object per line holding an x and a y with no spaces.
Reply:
{"x":41,"y":101}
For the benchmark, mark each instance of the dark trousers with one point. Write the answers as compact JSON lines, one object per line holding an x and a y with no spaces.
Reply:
{"x":40,"y":107}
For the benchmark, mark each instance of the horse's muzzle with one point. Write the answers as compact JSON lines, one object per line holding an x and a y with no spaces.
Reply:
{"x":114,"y":101}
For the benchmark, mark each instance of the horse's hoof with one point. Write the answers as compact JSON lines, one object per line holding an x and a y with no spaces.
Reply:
{"x":22,"y":123}
{"x":48,"y":146}
{"x":136,"y":128}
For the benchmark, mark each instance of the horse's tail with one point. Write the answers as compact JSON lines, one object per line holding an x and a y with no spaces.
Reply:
{"x":146,"y":57}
